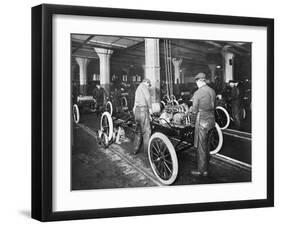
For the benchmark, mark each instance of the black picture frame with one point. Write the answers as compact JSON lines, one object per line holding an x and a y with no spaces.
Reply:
{"x":42,"y":108}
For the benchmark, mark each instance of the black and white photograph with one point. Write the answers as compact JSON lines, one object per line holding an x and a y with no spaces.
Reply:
{"x":149,"y":111}
{"x":140,"y":112}
{"x":144,"y":112}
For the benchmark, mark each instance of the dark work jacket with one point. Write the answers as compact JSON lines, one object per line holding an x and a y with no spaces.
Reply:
{"x":203,"y":109}
{"x":99,"y":95}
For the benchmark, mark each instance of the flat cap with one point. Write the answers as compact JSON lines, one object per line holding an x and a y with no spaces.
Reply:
{"x":200,"y":75}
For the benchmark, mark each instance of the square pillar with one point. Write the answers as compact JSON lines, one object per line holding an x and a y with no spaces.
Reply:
{"x":152,"y":67}
{"x":104,"y":56}
{"x":83,"y":63}
{"x":228,"y":66}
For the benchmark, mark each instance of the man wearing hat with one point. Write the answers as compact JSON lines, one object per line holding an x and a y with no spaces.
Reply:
{"x":99,"y":95}
{"x":203,"y":108}
{"x":142,"y":111}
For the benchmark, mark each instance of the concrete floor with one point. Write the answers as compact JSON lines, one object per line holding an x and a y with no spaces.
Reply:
{"x":94,"y":167}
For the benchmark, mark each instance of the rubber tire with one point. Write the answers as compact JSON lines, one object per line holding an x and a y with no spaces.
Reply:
{"x":75,"y":107}
{"x":218,"y":148}
{"x":173,"y":154}
{"x":227,"y":116}
{"x":125,"y":102}
{"x":111,"y":107}
{"x":110,"y":124}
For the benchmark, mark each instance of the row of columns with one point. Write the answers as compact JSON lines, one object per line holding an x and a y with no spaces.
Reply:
{"x":104,"y":57}
{"x":151,"y":68}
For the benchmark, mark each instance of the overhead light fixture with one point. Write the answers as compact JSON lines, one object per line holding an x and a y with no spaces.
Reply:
{"x":218,"y":66}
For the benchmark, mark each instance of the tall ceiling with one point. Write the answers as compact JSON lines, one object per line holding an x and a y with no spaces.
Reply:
{"x":130,"y":50}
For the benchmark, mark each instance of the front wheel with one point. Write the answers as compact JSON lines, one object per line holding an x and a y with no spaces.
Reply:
{"x":215,"y":139}
{"x":163,"y":158}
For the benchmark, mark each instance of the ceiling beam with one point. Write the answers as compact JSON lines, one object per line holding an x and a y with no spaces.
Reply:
{"x":83,"y":43}
{"x":240,"y":47}
{"x":96,"y":45}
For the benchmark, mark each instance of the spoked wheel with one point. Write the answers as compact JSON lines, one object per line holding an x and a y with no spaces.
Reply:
{"x":76,"y":114}
{"x":124,"y":103}
{"x":106,"y":124}
{"x":109,"y":107}
{"x":215,"y":139}
{"x":222,"y":117}
{"x":163,"y":158}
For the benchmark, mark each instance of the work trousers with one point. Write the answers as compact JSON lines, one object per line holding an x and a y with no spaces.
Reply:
{"x":202,"y":129}
{"x":236,"y":113}
{"x":143,"y":130}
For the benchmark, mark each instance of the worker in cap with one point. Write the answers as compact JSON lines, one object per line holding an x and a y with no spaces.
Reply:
{"x":200,"y":75}
{"x":147,"y":81}
{"x":203,"y":108}
{"x":100,"y":95}
{"x":142,"y":111}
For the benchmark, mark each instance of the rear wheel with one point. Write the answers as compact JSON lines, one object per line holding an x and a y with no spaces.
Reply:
{"x":163,"y":158}
{"x":222,"y":117}
{"x":76,"y":114}
{"x":215,"y":139}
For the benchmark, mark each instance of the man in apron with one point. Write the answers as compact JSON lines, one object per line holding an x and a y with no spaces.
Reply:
{"x":142,"y":111}
{"x":203,"y":107}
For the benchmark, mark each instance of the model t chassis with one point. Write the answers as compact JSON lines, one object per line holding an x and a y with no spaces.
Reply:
{"x":165,"y":142}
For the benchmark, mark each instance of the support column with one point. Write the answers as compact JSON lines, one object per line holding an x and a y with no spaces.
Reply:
{"x":83,"y":63}
{"x":212,"y":68}
{"x":104,"y":56}
{"x":152,"y":67}
{"x":228,"y":66}
{"x":177,"y":64}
